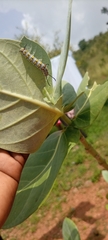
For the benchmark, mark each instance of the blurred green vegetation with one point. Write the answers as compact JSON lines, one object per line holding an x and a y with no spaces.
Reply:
{"x":93,"y":57}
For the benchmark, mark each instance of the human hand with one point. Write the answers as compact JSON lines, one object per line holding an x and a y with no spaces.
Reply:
{"x":11,"y":166}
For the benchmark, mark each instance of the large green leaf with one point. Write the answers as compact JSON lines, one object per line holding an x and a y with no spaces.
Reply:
{"x":25,"y":117}
{"x":89,"y":105}
{"x":38,"y":177}
{"x":69,"y":230}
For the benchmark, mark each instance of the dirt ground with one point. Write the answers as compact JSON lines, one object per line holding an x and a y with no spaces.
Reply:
{"x":86,"y":206}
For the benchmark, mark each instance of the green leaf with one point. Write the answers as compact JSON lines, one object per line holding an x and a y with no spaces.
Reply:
{"x":69,"y":94}
{"x":72,"y":134}
{"x":38,"y":52}
{"x":83,"y":84}
{"x":105,"y":175}
{"x":24,"y":115}
{"x":69,"y":97}
{"x":64,"y":54}
{"x":38,"y":177}
{"x":69,"y":230}
{"x":89,"y":105}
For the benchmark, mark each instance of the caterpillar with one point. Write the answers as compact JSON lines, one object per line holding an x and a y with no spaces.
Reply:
{"x":36,"y":62}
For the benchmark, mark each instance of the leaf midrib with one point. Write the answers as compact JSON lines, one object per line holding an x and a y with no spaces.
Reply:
{"x":33,"y":101}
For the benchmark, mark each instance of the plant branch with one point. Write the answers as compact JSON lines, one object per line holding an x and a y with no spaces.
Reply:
{"x":93,"y":152}
{"x":65,"y":120}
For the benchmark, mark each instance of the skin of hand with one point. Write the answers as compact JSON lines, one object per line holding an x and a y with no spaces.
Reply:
{"x":11,"y":166}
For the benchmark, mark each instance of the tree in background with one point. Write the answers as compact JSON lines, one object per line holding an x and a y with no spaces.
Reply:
{"x":104,"y":10}
{"x":82,"y":44}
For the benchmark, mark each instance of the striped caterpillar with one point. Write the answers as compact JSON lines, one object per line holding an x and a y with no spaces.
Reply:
{"x":36,"y":62}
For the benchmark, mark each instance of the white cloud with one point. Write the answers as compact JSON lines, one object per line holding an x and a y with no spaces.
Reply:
{"x":79,"y":17}
{"x":29,"y":28}
{"x":27,"y":24}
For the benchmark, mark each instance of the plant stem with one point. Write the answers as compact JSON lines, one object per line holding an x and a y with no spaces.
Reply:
{"x":93,"y":152}
{"x":66,"y":120}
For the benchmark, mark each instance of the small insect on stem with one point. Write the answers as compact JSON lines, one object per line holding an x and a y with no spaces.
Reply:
{"x":36,"y":62}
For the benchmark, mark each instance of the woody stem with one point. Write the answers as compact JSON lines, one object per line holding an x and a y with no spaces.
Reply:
{"x":93,"y":152}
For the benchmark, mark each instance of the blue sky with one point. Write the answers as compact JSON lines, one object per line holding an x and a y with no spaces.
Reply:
{"x":46,"y":17}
